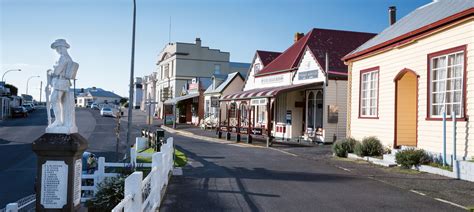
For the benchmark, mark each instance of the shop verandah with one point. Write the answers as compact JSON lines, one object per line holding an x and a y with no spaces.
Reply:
{"x":291,"y":113}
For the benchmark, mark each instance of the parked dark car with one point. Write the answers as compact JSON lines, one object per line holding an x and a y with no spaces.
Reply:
{"x":19,"y":112}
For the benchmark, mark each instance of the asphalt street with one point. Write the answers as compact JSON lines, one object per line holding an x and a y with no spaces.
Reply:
{"x":18,"y":162}
{"x":234,"y":177}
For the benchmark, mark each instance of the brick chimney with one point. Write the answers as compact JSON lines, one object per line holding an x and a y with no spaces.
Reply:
{"x":298,"y":36}
{"x":392,"y":15}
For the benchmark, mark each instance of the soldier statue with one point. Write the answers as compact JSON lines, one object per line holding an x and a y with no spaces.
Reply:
{"x":61,"y":100}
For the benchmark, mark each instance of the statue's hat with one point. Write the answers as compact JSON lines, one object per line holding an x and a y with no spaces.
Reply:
{"x":59,"y":42}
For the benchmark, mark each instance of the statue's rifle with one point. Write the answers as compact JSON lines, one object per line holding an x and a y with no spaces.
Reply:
{"x":49,"y":78}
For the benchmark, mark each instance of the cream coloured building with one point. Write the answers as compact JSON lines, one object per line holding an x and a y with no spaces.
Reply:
{"x":177,"y":65}
{"x":299,"y":95}
{"x":404,"y":79}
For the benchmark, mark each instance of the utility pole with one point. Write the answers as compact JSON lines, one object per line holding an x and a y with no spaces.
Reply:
{"x":41,"y":90}
{"x":131,"y":89}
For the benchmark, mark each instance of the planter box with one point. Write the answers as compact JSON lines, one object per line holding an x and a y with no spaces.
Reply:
{"x":373,"y":160}
{"x":465,"y":170}
{"x":434,"y":170}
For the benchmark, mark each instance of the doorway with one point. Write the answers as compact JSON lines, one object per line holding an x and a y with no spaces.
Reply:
{"x":406,"y":108}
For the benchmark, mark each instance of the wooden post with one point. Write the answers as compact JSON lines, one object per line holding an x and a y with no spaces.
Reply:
{"x":238,"y":123}
{"x":249,"y":127}
{"x":228,"y":123}
{"x":174,"y":116}
{"x":269,"y":128}
{"x":133,"y":187}
{"x":218,"y":130}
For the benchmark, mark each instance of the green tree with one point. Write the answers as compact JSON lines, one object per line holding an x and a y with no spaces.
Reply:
{"x":123,"y":101}
{"x":13,"y":89}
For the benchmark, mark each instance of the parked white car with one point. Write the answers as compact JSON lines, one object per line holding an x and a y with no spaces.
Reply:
{"x":95,"y":106}
{"x":106,"y":111}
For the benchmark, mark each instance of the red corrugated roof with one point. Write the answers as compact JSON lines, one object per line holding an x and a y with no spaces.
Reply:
{"x":266,"y":56}
{"x":335,"y":43}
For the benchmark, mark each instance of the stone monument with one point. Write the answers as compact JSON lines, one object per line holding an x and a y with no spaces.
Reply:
{"x":60,"y":149}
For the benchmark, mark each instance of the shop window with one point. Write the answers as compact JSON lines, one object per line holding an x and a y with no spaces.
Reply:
{"x":261,"y":118}
{"x":233,"y":110}
{"x":207,"y":107}
{"x":311,"y":110}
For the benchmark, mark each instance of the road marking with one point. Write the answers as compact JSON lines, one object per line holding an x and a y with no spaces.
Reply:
{"x":347,"y":170}
{"x":417,"y":192}
{"x":451,"y":203}
{"x":285,"y":152}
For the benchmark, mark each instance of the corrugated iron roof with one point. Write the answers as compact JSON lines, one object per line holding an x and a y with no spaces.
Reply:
{"x":336,"y":43}
{"x":267,"y":56}
{"x":421,"y":17}
{"x":220,"y":87}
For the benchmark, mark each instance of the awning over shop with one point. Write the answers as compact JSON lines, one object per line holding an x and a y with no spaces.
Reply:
{"x":266,"y":92}
{"x":180,"y":98}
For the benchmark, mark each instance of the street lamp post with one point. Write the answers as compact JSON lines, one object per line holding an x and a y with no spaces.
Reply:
{"x":131,"y":89}
{"x":28,"y":81}
{"x":3,"y":76}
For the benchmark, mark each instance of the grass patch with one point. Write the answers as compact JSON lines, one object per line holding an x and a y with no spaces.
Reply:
{"x":441,"y":166}
{"x":149,"y":150}
{"x":402,"y":170}
{"x":180,"y":158}
{"x":470,"y":208}
{"x":141,"y":159}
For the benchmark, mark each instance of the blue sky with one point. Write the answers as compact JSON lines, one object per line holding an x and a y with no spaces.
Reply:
{"x":99,"y":31}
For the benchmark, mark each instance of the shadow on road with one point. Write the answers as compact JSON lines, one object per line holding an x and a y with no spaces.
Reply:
{"x":198,"y":184}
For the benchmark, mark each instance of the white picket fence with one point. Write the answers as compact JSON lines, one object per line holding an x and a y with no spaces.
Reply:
{"x":24,"y":204}
{"x":92,"y":180}
{"x":145,"y":194}
{"x":141,"y":143}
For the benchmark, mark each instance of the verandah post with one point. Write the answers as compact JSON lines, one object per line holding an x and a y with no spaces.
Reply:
{"x":249,"y":127}
{"x":228,"y":122}
{"x":269,"y":128}
{"x":218,"y":130}
{"x":238,"y":123}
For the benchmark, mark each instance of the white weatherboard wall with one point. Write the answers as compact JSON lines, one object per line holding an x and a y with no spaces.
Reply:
{"x":250,"y":83}
{"x":414,"y":57}
{"x":308,"y":63}
{"x":335,"y":94}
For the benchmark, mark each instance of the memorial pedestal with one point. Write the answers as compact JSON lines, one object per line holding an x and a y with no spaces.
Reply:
{"x":58,"y":178}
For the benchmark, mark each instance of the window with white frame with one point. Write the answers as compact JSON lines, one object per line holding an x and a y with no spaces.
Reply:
{"x":446,"y":84}
{"x":167,"y":71}
{"x":257,"y":67}
{"x":207,"y":107}
{"x":369,"y":93}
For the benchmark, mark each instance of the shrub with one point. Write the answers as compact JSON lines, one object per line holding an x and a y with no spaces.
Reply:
{"x":343,"y":146}
{"x":370,"y":146}
{"x":110,"y":193}
{"x":411,"y":157}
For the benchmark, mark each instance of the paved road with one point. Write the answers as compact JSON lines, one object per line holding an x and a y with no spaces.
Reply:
{"x":229,"y":177}
{"x":18,"y":162}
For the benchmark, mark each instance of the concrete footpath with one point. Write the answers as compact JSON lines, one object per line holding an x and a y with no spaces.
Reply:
{"x":458,"y":193}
